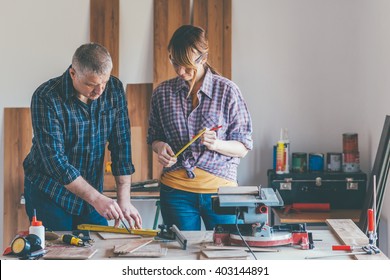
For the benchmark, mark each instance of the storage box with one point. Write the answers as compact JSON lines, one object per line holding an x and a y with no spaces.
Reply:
{"x":340,"y":190}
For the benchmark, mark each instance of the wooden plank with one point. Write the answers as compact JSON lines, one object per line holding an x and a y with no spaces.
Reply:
{"x":214,"y":16}
{"x":349,"y":234}
{"x":132,"y":245}
{"x":104,"y":28}
{"x":316,"y":217}
{"x":138,"y":99}
{"x":137,"y":143}
{"x":69,"y":253}
{"x":17,"y":144}
{"x":168,"y":16}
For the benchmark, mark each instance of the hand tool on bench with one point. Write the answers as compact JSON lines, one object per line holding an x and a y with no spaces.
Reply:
{"x":172,"y":233}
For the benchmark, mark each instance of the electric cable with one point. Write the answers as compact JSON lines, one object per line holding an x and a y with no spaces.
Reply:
{"x":242,"y":238}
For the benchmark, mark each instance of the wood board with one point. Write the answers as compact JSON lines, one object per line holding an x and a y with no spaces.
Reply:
{"x":104,"y":28}
{"x":152,"y":250}
{"x":17,"y":144}
{"x":138,"y":102}
{"x":215,"y":16}
{"x":129,"y":246}
{"x":69,"y":253}
{"x":349,"y":234}
{"x":223,"y":255}
{"x":168,"y":16}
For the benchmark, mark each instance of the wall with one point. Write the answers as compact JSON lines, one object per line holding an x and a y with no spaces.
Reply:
{"x":316,"y":67}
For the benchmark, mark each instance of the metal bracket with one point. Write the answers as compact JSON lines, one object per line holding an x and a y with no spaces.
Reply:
{"x":286,"y":185}
{"x":351,"y":185}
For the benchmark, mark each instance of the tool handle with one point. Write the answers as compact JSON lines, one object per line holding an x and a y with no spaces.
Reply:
{"x":370,"y":217}
{"x":342,"y":248}
{"x":72,"y":240}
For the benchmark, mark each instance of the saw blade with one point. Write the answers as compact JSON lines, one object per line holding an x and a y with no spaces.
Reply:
{"x":277,"y":239}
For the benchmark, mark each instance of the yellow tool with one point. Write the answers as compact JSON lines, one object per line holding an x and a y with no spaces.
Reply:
{"x":72,"y":240}
{"x":192,"y":141}
{"x":148,"y":232}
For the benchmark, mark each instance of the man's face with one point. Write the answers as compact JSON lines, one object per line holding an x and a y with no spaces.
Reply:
{"x":89,"y":86}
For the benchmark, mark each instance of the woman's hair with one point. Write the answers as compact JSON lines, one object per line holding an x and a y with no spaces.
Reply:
{"x":92,"y":57}
{"x":186,"y":41}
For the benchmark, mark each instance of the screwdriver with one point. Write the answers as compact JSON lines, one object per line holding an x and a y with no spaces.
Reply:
{"x":72,"y":240}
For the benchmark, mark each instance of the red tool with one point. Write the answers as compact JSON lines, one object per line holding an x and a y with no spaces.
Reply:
{"x":344,"y":248}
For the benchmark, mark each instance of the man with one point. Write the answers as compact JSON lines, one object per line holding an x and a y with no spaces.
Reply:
{"x":73,"y":117}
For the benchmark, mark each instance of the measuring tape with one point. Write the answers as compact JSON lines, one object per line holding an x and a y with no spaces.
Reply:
{"x":148,"y":232}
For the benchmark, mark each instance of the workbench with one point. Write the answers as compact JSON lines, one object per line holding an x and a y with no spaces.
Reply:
{"x":342,"y":231}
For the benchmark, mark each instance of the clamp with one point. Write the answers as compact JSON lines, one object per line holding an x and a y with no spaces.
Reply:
{"x":172,"y":233}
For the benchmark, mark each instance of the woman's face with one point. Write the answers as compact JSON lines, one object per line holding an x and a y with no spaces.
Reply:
{"x":187,"y":73}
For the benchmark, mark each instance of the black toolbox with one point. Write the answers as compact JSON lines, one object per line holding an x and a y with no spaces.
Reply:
{"x":341,"y":190}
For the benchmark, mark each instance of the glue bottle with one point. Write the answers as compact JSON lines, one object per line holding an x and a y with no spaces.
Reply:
{"x":37,"y":228}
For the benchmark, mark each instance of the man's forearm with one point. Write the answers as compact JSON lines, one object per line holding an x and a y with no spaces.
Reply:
{"x":83,"y":189}
{"x":123,"y":185}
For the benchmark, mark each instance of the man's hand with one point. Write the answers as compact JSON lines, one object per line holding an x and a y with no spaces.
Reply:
{"x":130,"y":214}
{"x":107,"y":207}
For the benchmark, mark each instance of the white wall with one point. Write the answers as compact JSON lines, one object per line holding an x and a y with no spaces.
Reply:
{"x":316,"y":67}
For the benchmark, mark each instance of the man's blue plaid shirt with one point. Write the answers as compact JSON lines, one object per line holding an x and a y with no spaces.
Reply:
{"x":70,"y":138}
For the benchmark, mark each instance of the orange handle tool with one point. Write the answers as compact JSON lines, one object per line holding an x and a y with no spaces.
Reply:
{"x":371,"y":225}
{"x":342,"y":248}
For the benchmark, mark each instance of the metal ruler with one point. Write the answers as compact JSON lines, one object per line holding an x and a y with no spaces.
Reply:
{"x":148,"y":232}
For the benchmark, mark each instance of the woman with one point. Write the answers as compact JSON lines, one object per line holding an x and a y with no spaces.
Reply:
{"x":196,"y":99}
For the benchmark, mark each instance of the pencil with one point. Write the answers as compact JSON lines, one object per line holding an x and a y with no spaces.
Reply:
{"x":125,"y":226}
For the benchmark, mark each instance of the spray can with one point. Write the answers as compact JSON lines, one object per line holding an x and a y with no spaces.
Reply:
{"x":38,"y":229}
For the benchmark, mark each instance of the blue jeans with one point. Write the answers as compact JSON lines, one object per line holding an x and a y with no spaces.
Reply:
{"x":185,"y":209}
{"x":52,"y":215}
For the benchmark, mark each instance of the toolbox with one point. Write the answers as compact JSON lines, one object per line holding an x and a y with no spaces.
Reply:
{"x":341,"y":190}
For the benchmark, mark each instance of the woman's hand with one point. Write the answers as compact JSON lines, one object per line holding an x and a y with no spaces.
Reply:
{"x":165,"y":154}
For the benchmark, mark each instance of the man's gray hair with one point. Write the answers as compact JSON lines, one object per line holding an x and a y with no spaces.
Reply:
{"x":92,"y":57}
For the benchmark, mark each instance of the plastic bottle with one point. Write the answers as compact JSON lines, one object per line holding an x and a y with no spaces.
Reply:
{"x":286,"y":151}
{"x":38,"y":229}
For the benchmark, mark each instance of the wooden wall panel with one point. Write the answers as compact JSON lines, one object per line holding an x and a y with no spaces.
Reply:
{"x":17,"y":144}
{"x":104,"y":28}
{"x":138,"y":99}
{"x":215,"y":16}
{"x":168,"y":16}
